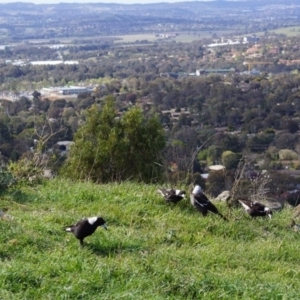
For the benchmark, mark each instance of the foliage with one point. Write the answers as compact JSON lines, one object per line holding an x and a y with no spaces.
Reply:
{"x":281,"y":182}
{"x":259,"y":187}
{"x":260,"y":142}
{"x":203,"y":154}
{"x":296,"y":165}
{"x":230,"y":160}
{"x":216,"y":183}
{"x":205,"y":105}
{"x":292,"y":126}
{"x":27,"y":169}
{"x":214,"y":154}
{"x":224,"y":142}
{"x":6,"y":179}
{"x":272,"y":152}
{"x":286,"y":141}
{"x":179,"y":178}
{"x":108,"y":148}
{"x":287,"y":154}
{"x":275,"y":165}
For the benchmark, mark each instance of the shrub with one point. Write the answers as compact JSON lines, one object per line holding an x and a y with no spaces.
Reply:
{"x":202,"y":155}
{"x":297,"y":165}
{"x":25,"y":171}
{"x":287,"y":154}
{"x":6,"y":179}
{"x":215,"y":183}
{"x":230,"y":160}
{"x":107,"y":148}
{"x":269,"y":131}
{"x":275,"y":165}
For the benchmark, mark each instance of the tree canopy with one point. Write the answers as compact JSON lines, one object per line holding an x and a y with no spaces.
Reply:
{"x":111,"y":148}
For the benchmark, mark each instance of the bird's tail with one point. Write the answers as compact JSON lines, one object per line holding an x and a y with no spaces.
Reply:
{"x":68,"y":229}
{"x":162,"y":192}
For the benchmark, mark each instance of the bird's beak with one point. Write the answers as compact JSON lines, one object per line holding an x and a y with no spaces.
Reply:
{"x":104,"y":225}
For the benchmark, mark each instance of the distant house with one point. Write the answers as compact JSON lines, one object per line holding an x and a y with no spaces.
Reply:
{"x":274,"y":51}
{"x":250,"y":39}
{"x":174,"y":75}
{"x":53,"y":62}
{"x":71,"y":90}
{"x":175,"y":114}
{"x":214,"y":71}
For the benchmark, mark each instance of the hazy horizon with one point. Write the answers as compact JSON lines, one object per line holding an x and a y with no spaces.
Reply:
{"x":97,"y":1}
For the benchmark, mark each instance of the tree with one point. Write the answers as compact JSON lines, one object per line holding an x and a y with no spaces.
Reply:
{"x":214,"y":154}
{"x":226,"y":141}
{"x":286,"y":141}
{"x":107,"y":148}
{"x":4,"y":133}
{"x":230,"y":160}
{"x":291,"y":125}
{"x":215,"y":183}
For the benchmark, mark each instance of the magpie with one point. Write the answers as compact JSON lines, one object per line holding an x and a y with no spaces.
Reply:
{"x":202,"y":203}
{"x":172,"y":195}
{"x":256,"y":209}
{"x":85,"y":227}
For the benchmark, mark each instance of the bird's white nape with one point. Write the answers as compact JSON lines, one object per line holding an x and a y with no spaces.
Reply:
{"x":197,"y":190}
{"x":177,"y":192}
{"x":92,"y":220}
{"x":161,"y":192}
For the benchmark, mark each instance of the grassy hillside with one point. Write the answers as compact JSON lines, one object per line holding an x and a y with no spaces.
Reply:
{"x":288,"y":31}
{"x":151,"y":251}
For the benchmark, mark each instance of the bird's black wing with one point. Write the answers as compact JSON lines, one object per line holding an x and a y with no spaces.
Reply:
{"x":201,"y":198}
{"x":206,"y":205}
{"x":166,"y":192}
{"x":170,"y":195}
{"x":259,"y":208}
{"x":200,"y":204}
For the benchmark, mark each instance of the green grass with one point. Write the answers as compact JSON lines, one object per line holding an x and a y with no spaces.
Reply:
{"x":184,"y":37}
{"x":288,"y":31}
{"x":151,"y":251}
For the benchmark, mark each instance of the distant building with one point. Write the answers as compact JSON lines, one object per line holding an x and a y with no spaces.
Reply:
{"x":54,"y":62}
{"x":252,"y":72}
{"x":57,"y":46}
{"x":250,"y":39}
{"x":18,"y":62}
{"x":71,"y":90}
{"x":224,"y":42}
{"x":174,"y":75}
{"x":201,"y":72}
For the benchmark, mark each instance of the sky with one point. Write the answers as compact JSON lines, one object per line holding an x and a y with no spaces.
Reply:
{"x":96,"y":1}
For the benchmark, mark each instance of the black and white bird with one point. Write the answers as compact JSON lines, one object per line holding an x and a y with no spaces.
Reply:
{"x":202,"y":203}
{"x":85,"y":227}
{"x":172,"y":195}
{"x":256,"y":209}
